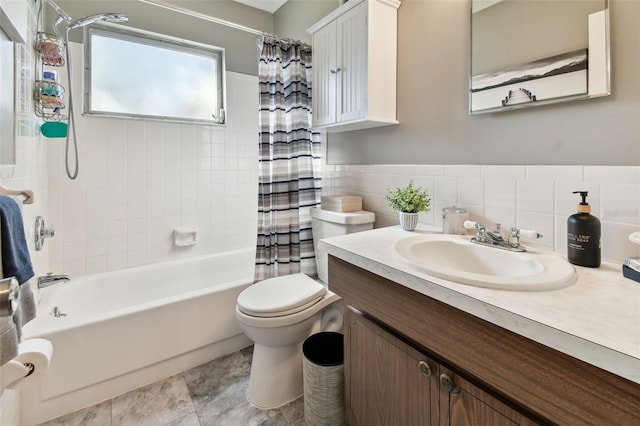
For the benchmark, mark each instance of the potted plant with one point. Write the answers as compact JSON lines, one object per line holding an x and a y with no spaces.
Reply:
{"x":409,"y":201}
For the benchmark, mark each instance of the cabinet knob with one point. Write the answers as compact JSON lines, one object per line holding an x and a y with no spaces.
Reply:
{"x":424,"y":369}
{"x":448,"y":384}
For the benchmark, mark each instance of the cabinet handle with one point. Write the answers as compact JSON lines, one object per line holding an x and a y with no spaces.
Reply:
{"x":448,"y":384}
{"x":424,"y":369}
{"x":335,"y":71}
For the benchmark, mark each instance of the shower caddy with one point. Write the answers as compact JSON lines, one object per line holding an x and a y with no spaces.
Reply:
{"x":48,"y":93}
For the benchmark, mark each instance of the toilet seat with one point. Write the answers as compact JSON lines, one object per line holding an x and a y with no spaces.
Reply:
{"x":280,"y":296}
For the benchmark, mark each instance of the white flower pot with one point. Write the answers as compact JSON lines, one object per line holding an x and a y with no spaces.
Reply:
{"x":408,"y":221}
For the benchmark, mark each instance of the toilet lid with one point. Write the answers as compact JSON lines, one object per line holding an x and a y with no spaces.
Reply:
{"x":280,"y":296}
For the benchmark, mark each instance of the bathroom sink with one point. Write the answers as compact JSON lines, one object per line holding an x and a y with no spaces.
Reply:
{"x":455,"y":258}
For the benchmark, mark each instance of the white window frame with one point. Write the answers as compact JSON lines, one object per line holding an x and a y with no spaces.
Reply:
{"x":218,"y":117}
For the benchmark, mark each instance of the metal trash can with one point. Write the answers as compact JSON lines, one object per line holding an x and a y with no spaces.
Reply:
{"x":323,"y":379}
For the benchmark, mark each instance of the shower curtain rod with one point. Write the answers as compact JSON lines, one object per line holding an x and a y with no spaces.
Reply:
{"x":178,"y":9}
{"x":193,"y":14}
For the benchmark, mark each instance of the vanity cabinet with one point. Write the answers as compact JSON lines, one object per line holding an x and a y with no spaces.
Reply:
{"x":413,"y":360}
{"x":354,"y":66}
{"x":388,"y":382}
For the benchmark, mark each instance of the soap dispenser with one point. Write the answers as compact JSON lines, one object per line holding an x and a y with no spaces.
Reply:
{"x":583,"y":235}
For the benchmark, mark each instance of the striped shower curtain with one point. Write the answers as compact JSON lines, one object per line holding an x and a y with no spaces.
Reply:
{"x":289,"y":160}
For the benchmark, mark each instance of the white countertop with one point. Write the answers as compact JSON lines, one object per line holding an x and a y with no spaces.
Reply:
{"x":596,"y":319}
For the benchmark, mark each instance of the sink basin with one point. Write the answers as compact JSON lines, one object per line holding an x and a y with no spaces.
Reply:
{"x":455,"y":258}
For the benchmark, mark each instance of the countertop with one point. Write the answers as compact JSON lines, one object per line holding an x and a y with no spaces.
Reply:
{"x":596,"y":319}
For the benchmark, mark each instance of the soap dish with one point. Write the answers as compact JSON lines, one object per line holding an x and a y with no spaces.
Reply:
{"x":185,"y":236}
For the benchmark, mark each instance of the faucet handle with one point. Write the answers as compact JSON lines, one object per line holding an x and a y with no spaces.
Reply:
{"x":515,"y":234}
{"x":530,"y":233}
{"x":469,"y":224}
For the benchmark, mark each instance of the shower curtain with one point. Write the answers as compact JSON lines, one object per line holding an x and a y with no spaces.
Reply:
{"x":288,"y":160}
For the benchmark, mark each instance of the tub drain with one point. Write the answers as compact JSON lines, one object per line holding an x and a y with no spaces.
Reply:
{"x":56,"y":312}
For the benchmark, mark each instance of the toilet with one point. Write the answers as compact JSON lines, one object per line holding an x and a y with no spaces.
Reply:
{"x":278,"y":314}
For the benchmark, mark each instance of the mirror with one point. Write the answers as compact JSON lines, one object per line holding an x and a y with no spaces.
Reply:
{"x":7,"y":96}
{"x":13,"y":32}
{"x":528,"y":53}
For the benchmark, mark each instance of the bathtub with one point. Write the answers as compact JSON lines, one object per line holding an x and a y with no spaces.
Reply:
{"x":117,"y":331}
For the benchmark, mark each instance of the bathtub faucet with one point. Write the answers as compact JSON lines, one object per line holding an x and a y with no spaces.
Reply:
{"x":50,"y":279}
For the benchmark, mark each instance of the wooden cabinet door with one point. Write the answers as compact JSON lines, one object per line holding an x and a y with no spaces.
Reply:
{"x":324,"y":75}
{"x":386,"y":381}
{"x":351,"y":64}
{"x":464,"y":404}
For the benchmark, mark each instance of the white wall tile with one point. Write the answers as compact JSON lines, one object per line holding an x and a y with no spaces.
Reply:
{"x":446,"y":189}
{"x":494,"y":215}
{"x":471,"y":191}
{"x":555,"y":173}
{"x":503,"y":172}
{"x":542,"y":223}
{"x":428,"y":170}
{"x":96,"y":247}
{"x":620,"y":203}
{"x":466,"y":170}
{"x":615,"y":241}
{"x":500,"y":193}
{"x":116,"y":260}
{"x":529,"y":197}
{"x":612,"y":174}
{"x":535,"y":196}
{"x":96,"y":264}
{"x":140,"y":179}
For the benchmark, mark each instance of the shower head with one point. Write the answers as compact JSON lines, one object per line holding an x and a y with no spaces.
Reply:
{"x":107,"y":17}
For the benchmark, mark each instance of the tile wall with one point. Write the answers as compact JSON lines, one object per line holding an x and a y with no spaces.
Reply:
{"x":529,"y":197}
{"x":140,"y":179}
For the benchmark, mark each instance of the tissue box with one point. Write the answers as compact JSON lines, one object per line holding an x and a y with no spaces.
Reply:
{"x":630,"y":273}
{"x":632,"y":262}
{"x":341,"y":203}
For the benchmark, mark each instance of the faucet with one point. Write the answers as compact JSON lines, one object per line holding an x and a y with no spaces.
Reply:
{"x":495,"y":238}
{"x":50,"y":279}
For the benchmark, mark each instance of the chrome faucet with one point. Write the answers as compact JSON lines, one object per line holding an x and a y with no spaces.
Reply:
{"x":50,"y":279}
{"x":495,"y":238}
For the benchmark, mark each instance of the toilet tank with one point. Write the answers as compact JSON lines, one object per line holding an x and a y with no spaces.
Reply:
{"x":327,"y":223}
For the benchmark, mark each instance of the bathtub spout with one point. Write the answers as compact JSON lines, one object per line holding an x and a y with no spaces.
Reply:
{"x":49,"y":279}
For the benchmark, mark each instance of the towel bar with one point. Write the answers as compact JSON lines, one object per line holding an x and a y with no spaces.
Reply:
{"x":28,"y":195}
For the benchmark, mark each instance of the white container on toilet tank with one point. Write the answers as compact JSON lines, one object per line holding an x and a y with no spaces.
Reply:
{"x":326,"y":223}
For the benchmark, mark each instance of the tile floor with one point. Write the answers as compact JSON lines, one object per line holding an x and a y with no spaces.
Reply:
{"x":207,"y":395}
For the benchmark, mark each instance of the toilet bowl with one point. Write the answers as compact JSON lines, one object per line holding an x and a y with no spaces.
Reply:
{"x":276,"y":373}
{"x":278,"y":314}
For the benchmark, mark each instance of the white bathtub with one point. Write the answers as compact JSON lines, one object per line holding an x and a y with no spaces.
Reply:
{"x":126,"y":328}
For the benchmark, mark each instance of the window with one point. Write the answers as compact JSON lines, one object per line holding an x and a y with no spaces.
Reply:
{"x":133,"y":73}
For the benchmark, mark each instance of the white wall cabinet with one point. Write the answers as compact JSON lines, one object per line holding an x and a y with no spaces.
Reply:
{"x":354,"y":66}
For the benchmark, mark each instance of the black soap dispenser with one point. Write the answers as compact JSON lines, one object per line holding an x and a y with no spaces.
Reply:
{"x":583,"y":235}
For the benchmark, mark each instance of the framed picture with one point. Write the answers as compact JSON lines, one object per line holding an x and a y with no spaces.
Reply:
{"x":558,"y":76}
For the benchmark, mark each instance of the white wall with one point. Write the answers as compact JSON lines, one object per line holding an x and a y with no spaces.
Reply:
{"x":140,"y":179}
{"x":433,"y":104}
{"x":528,"y":197}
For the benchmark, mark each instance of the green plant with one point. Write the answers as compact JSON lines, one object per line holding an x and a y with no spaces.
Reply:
{"x":409,"y":199}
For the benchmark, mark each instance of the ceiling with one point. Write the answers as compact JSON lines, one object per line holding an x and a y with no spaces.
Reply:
{"x":269,"y":5}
